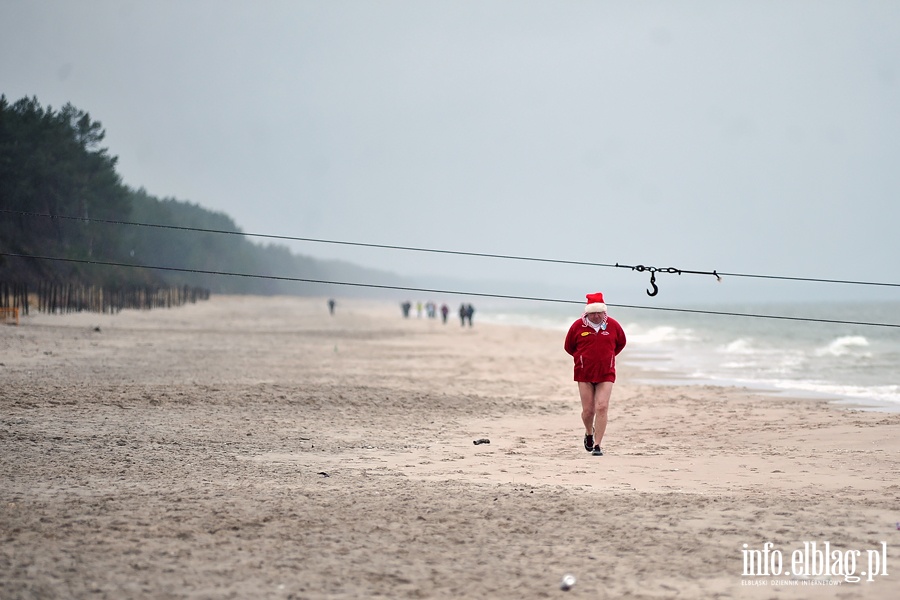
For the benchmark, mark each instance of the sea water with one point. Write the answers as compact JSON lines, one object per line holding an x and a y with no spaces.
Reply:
{"x":851,"y":364}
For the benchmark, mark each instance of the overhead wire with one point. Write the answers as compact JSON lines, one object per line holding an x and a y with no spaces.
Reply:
{"x":450,"y":252}
{"x":307,"y":239}
{"x":438,"y":291}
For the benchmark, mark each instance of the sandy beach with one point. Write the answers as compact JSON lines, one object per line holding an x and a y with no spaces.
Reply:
{"x":252,"y":447}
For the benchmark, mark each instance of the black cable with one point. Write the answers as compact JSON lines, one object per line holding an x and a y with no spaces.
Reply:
{"x":314,"y":240}
{"x":453,"y":252}
{"x":436,"y":291}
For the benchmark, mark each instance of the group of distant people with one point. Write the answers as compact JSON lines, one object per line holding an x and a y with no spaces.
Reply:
{"x":465,"y":314}
{"x":431,"y":310}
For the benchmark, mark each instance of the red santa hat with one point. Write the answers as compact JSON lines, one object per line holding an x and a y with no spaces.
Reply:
{"x":595,"y":303}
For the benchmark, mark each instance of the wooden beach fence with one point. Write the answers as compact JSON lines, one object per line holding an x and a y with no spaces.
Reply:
{"x":58,"y":298}
{"x":13,"y":301}
{"x":9,"y":315}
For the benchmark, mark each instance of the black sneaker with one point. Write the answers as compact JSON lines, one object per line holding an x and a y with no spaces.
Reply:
{"x":597,"y":451}
{"x":588,"y":442}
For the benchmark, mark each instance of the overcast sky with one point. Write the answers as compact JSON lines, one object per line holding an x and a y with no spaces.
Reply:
{"x":746,"y":136}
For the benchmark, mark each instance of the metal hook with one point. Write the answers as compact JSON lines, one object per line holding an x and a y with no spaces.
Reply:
{"x":653,"y":283}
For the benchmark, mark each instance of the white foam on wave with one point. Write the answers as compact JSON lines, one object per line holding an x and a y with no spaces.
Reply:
{"x":659,"y":334}
{"x":739,"y":346}
{"x":739,"y":364}
{"x":742,"y":357}
{"x":888,"y":394}
{"x":845,"y":345}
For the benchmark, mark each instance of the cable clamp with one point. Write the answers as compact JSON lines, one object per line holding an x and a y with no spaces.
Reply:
{"x":671,"y":270}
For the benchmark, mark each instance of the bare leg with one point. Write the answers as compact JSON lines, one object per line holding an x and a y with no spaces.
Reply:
{"x":602,"y":393}
{"x":588,"y":403}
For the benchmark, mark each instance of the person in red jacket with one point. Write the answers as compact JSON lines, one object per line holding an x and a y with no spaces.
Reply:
{"x":594,"y":341}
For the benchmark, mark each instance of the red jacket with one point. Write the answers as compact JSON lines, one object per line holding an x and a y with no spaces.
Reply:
{"x":595,"y":351}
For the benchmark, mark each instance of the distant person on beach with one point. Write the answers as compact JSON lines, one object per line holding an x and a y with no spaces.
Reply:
{"x":445,"y":310}
{"x":470,"y":310}
{"x":462,"y":315}
{"x":594,"y":341}
{"x":331,"y":304}
{"x":405,"y":308}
